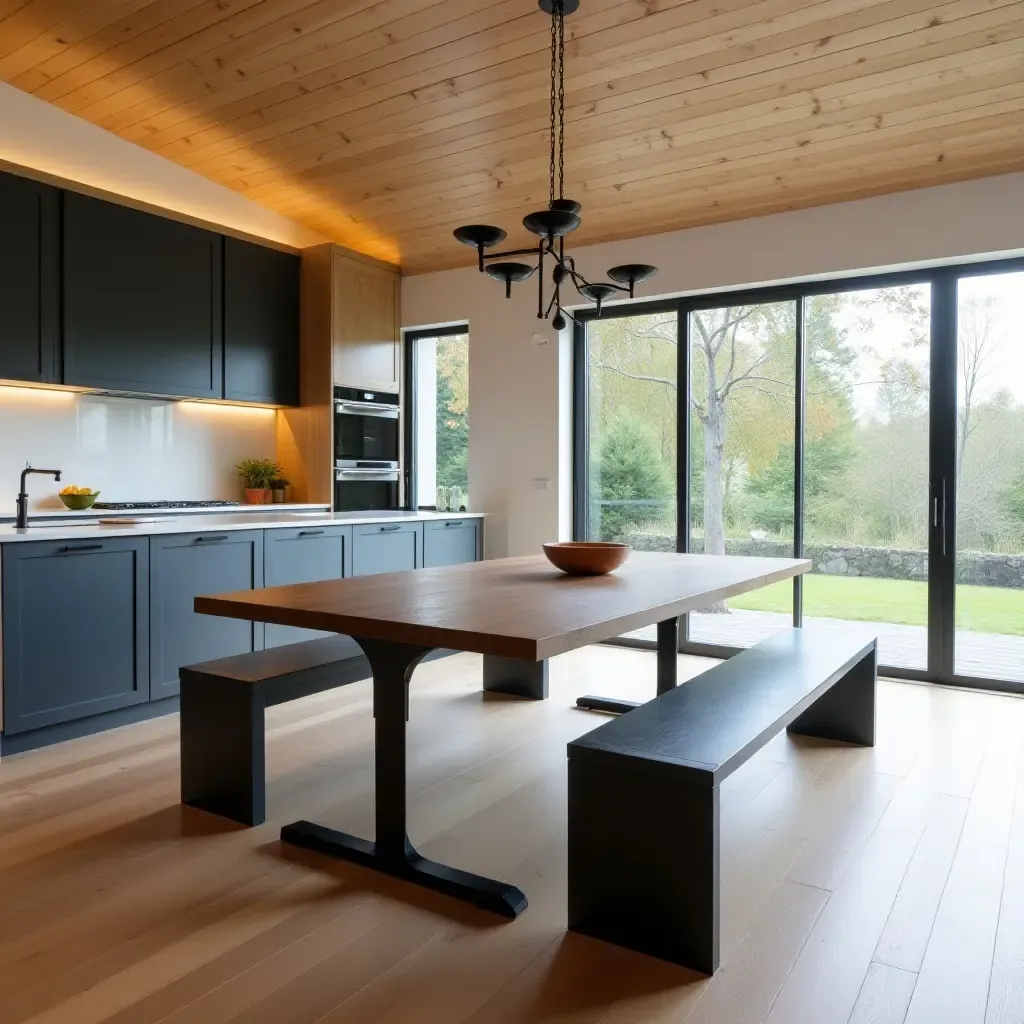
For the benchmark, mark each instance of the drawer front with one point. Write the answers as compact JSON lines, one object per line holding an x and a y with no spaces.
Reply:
{"x":184,"y":567}
{"x":451,"y":542}
{"x":386,"y":547}
{"x":305,"y":554}
{"x":75,"y":629}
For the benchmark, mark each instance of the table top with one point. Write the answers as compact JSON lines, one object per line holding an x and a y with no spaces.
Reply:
{"x":514,"y":607}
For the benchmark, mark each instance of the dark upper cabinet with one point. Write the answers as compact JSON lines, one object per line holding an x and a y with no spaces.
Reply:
{"x":75,"y":629}
{"x":29,"y":269}
{"x":261,"y":324}
{"x":182,"y":568}
{"x":142,"y":302}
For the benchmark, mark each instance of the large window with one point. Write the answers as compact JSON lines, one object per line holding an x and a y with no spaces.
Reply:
{"x":875,"y":426}
{"x":437,"y":435}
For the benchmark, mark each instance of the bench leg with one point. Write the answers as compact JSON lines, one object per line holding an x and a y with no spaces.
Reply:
{"x":516,"y":677}
{"x":644,"y":864}
{"x":846,"y":712}
{"x":223,"y":767}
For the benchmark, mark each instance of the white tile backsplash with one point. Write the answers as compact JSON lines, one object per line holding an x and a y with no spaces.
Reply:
{"x":129,"y":448}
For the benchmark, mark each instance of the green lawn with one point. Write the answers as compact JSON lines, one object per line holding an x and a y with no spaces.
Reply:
{"x":981,"y":609}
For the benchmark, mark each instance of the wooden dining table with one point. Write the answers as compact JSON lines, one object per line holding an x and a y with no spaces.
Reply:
{"x":514,"y":610}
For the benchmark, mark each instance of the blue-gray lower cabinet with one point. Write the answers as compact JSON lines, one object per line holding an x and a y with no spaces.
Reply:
{"x":75,"y":629}
{"x":304,"y":554}
{"x":451,"y":542}
{"x":183,"y":567}
{"x":386,"y":547}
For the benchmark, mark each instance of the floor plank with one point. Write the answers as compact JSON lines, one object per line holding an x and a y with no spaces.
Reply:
{"x":844,"y":871}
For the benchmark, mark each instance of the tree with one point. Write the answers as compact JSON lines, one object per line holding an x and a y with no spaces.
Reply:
{"x":976,"y":331}
{"x":903,"y":392}
{"x":1013,"y":499}
{"x":633,"y":485}
{"x":453,"y":411}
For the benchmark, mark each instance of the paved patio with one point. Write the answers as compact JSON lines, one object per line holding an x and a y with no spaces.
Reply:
{"x":977,"y":654}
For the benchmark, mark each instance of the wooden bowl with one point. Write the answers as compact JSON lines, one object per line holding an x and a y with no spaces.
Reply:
{"x":586,"y":558}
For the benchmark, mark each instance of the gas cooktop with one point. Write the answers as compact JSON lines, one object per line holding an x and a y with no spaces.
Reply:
{"x":129,"y":506}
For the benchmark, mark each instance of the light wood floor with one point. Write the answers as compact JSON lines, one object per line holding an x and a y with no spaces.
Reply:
{"x":877,"y":886}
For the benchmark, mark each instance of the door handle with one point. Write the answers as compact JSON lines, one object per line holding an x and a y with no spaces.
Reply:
{"x":311,"y":533}
{"x":389,"y":529}
{"x":71,"y":548}
{"x":455,"y":522}
{"x":939,"y":515}
{"x":212,"y":540}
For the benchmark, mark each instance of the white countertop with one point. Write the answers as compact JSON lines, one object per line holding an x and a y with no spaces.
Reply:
{"x":81,"y":527}
{"x":59,"y":513}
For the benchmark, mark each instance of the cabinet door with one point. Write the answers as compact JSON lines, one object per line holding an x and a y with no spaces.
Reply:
{"x":450,"y":542}
{"x":142,"y":302}
{"x":184,"y":567}
{"x":386,"y":547}
{"x":75,"y":629}
{"x":261,"y":324}
{"x":28,"y":279}
{"x":367,"y":345}
{"x":305,"y":554}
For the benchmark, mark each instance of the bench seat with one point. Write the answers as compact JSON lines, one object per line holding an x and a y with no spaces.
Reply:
{"x":223,"y":763}
{"x":644,"y":788}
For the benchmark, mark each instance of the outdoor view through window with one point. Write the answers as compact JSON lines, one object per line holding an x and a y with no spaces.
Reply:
{"x":441,"y":411}
{"x":866,"y":461}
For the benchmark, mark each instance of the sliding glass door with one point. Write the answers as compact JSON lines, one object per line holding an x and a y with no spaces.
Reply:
{"x":866,"y":466}
{"x":743,"y":361}
{"x":989,"y":472}
{"x":875,"y":426}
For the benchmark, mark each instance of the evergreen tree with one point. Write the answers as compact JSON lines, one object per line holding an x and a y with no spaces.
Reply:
{"x":628,"y":479}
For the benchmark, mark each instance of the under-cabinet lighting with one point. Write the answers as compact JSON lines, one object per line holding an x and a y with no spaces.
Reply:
{"x":34,"y":392}
{"x":229,"y":408}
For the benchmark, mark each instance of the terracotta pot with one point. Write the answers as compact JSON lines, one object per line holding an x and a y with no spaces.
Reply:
{"x":586,"y":558}
{"x":257,"y":495}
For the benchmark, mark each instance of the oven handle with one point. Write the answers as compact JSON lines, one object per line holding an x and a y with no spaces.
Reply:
{"x":384,"y":412}
{"x":366,"y":474}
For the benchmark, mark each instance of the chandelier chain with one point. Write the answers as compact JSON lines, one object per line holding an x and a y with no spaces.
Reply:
{"x":552,"y":98}
{"x":561,"y":103}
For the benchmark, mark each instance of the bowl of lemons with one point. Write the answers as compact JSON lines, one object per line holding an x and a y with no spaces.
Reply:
{"x":78,"y":498}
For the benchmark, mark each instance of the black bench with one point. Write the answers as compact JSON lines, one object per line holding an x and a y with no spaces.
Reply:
{"x":223,"y":763}
{"x":223,"y":767}
{"x":644,"y":788}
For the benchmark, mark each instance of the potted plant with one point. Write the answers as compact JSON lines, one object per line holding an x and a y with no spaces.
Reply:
{"x":256,"y":476}
{"x":278,"y":487}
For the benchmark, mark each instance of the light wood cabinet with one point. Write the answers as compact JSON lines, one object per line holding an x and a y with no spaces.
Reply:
{"x":366,"y":333}
{"x":351,"y":335}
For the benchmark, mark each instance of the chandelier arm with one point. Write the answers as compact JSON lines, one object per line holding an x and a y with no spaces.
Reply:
{"x":540,"y":281}
{"x":510,"y":252}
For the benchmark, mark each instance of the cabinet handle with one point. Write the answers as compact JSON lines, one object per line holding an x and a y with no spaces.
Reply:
{"x":389,"y":529}
{"x":453,"y":522}
{"x":311,"y":533}
{"x":70,"y":548}
{"x":212,"y":539}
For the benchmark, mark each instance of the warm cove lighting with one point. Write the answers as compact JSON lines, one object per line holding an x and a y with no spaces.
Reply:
{"x":18,"y":392}
{"x":227,"y":408}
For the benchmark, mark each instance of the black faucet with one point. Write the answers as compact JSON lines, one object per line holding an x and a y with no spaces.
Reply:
{"x":22,"y":522}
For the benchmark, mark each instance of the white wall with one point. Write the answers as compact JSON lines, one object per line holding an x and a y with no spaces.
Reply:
{"x":518,"y":389}
{"x":37,"y":135}
{"x":132,"y":449}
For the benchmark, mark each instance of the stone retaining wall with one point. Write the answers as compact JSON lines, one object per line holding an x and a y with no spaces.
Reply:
{"x":973,"y":567}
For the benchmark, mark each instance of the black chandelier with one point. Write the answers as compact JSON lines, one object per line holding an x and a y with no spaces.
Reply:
{"x":560,"y":218}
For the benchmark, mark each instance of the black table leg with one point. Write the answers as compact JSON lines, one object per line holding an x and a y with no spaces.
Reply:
{"x":668,"y":650}
{"x":519,"y":678}
{"x":391,"y":852}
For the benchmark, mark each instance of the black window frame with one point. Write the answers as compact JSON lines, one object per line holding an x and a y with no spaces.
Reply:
{"x":943,"y":280}
{"x":409,"y":339}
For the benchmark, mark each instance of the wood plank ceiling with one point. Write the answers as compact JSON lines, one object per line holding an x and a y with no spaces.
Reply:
{"x":384,"y":124}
